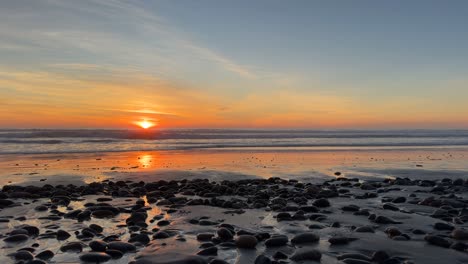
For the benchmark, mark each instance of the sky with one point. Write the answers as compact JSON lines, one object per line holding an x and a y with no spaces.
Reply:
{"x":234,"y":64}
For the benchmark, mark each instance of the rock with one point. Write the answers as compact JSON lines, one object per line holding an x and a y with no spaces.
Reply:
{"x":340,"y":240}
{"x":72,"y":247}
{"x":23,"y":255}
{"x":211,"y":251}
{"x":115,"y":254}
{"x":322,"y":202}
{"x":5,"y":203}
{"x":218,"y":261}
{"x":392,"y":232}
{"x":365,"y":229}
{"x":350,"y":208}
{"x":205,"y":222}
{"x":96,"y":228}
{"x":305,"y":238}
{"x":121,"y":246}
{"x":460,"y":234}
{"x":400,"y":199}
{"x":389,"y":206}
{"x":142,"y":238}
{"x":95,"y":257}
{"x":170,"y":258}
{"x":204,"y":236}
{"x":45,"y":255}
{"x":37,"y":261}
{"x":62,"y":235}
{"x":380,"y":256}
{"x":443,"y":226}
{"x":224,"y":233}
{"x":164,"y":235}
{"x":246,"y":241}
{"x":16,"y":238}
{"x":437,"y":241}
{"x":280,"y":255}
{"x":385,"y":220}
{"x":307,"y":254}
{"x":277,"y":241}
{"x":355,"y":261}
{"x":102,"y":214}
{"x":163,"y":223}
{"x":459,"y":246}
{"x":98,"y":245}
{"x":283,"y":216}
{"x":262,"y":259}
{"x":353,"y":256}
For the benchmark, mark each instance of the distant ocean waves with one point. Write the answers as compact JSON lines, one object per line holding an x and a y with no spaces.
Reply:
{"x":77,"y":141}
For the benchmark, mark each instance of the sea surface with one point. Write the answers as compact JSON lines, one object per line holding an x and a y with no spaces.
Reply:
{"x":74,"y":156}
{"x":91,"y":141}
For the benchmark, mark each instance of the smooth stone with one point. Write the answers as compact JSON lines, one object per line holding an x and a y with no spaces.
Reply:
{"x":162,"y":235}
{"x":246,"y":241}
{"x":277,"y":241}
{"x":45,"y":255}
{"x":262,"y":259}
{"x":16,"y":238}
{"x":380,"y":256}
{"x":72,"y":247}
{"x":115,"y":254}
{"x":121,"y":246}
{"x":307,"y":254}
{"x":23,"y":255}
{"x":211,"y":251}
{"x":340,"y":240}
{"x":96,"y":228}
{"x":98,"y":245}
{"x":142,"y":238}
{"x":355,"y":261}
{"x":95,"y":257}
{"x":322,"y":202}
{"x":365,"y":229}
{"x":443,"y":226}
{"x":460,"y":234}
{"x":224,"y":233}
{"x":353,"y":256}
{"x":437,"y":241}
{"x":305,"y":238}
{"x":37,"y":261}
{"x":204,"y":236}
{"x":102,"y":214}
{"x":170,"y":258}
{"x":280,"y":255}
{"x":62,"y":235}
{"x":385,"y":220}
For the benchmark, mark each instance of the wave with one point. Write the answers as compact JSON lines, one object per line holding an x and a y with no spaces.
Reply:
{"x":226,"y":134}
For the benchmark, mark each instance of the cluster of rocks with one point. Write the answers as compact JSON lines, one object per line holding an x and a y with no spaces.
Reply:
{"x":289,"y":199}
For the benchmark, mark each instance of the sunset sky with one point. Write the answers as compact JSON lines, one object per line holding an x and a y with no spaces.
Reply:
{"x":243,"y":64}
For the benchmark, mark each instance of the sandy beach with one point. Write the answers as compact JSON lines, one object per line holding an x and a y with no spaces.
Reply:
{"x":236,"y":206}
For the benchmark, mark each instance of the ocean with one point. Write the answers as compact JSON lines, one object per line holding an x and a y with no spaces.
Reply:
{"x":92,"y":141}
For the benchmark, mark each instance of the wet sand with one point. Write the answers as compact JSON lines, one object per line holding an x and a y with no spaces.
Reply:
{"x":342,"y":220}
{"x":224,"y":207}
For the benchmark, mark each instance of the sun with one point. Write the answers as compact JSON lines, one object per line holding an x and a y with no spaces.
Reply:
{"x":145,"y":124}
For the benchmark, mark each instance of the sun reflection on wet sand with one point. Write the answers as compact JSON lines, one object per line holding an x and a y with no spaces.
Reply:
{"x":89,"y":167}
{"x":146,"y":160}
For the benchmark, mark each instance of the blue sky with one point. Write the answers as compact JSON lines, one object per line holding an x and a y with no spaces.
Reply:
{"x":238,"y":63}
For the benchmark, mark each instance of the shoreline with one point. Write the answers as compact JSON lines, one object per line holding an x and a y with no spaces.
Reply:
{"x":341,"y":220}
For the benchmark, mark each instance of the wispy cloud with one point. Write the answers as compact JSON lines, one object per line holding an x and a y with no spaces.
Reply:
{"x":119,"y":32}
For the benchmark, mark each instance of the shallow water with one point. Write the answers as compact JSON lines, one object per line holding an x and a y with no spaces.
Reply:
{"x":218,"y":164}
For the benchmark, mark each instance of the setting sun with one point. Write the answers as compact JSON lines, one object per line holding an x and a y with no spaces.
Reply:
{"x":145,"y":124}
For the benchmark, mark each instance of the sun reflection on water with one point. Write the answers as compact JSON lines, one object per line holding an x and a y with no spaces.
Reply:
{"x":145,"y":160}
